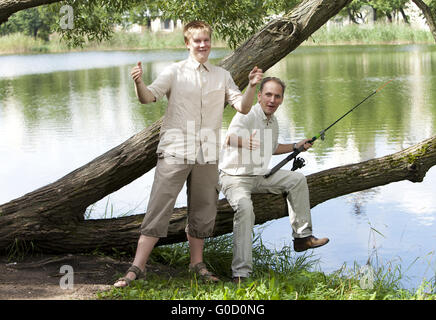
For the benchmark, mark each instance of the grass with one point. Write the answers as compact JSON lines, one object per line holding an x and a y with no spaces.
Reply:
{"x":19,"y":43}
{"x":278,"y":275}
{"x":334,"y":35}
{"x":379,"y":33}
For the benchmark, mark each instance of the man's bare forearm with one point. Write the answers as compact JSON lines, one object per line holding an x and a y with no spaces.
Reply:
{"x":255,"y":77}
{"x":287,"y":148}
{"x":284,"y":148}
{"x":247,"y":100}
{"x":143,"y":93}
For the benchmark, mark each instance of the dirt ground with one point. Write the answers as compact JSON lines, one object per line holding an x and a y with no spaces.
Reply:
{"x":40,"y":277}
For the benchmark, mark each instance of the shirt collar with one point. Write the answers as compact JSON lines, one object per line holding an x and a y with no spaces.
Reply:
{"x":195,"y":64}
{"x":258,"y":109}
{"x":207,"y":65}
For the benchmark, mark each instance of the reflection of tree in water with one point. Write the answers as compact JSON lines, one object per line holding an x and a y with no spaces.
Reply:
{"x":359,"y":199}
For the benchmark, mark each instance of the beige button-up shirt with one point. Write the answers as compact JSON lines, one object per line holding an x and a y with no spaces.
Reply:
{"x":241,"y":161}
{"x":196,"y":94}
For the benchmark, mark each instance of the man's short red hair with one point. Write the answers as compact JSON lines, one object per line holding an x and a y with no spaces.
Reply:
{"x":195,"y":25}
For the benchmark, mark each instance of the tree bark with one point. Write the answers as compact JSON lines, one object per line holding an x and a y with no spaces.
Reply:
{"x":404,"y":15}
{"x":280,"y":37}
{"x":429,"y":16}
{"x":9,"y":7}
{"x":52,"y":217}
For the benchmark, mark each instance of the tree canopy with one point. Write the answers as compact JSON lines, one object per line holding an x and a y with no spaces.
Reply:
{"x":232,"y":20}
{"x":35,"y":22}
{"x":428,"y":9}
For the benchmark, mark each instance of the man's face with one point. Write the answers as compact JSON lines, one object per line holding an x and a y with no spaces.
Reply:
{"x":199,"y":45}
{"x":270,"y":98}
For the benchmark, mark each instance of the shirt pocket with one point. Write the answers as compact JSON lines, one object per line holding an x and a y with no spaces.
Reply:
{"x":215,"y":98}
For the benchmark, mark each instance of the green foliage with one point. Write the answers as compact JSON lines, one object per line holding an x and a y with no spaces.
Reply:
{"x":19,"y":249}
{"x":376,"y":33}
{"x":431,"y":4}
{"x":35,"y":22}
{"x":20,"y":43}
{"x":233,"y":20}
{"x":382,"y":8}
{"x":94,"y":20}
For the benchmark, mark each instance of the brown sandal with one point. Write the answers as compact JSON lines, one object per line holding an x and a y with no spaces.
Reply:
{"x":138,"y":273}
{"x":201,"y":271}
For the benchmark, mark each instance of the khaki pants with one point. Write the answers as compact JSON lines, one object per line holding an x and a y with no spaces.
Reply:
{"x":238,"y":190}
{"x":202,"y":196}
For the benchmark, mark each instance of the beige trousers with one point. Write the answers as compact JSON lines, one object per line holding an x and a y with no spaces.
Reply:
{"x":170,"y":176}
{"x":238,"y":190}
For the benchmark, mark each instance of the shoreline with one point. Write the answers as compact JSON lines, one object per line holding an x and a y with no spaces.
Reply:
{"x":305,"y":44}
{"x":347,"y":35}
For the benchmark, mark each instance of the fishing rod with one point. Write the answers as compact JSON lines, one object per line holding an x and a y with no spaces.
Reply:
{"x":299,"y":162}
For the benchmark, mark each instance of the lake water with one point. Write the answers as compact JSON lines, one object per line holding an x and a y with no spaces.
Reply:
{"x":60,"y":111}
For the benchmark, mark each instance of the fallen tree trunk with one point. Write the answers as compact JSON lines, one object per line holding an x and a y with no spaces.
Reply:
{"x":122,"y":233}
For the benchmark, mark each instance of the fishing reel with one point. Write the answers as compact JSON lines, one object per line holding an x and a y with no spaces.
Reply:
{"x":298,"y":163}
{"x":322,"y":135}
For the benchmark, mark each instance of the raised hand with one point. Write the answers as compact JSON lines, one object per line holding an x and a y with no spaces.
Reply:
{"x":136,"y":72}
{"x":255,"y":76}
{"x":251,"y":143}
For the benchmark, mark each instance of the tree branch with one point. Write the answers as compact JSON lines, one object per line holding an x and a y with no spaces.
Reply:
{"x":428,"y":15}
{"x":9,"y":7}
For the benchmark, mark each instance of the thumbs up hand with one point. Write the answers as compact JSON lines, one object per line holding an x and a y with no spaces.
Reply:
{"x":136,"y":72}
{"x":251,"y":143}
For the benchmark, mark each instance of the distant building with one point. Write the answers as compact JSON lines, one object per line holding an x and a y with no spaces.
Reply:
{"x":167,"y":25}
{"x":156,"y":25}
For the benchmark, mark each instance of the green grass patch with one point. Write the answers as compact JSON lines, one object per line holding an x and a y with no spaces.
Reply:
{"x":378,"y":33}
{"x":19,"y":43}
{"x":278,"y":275}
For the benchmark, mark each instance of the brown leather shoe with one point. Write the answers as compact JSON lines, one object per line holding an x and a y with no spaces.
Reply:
{"x":310,"y":242}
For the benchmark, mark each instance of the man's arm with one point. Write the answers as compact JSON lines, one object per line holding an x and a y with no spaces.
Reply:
{"x":287,"y":148}
{"x":142,"y":92}
{"x":251,"y":143}
{"x":245,"y":104}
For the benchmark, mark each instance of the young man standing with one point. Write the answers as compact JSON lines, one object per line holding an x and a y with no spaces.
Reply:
{"x":188,"y":148}
{"x":251,"y":141}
